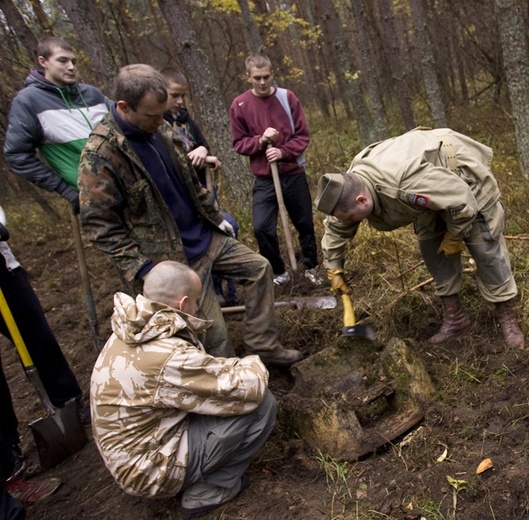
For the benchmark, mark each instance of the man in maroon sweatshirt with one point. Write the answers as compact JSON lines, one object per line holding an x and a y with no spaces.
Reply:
{"x":267,"y":115}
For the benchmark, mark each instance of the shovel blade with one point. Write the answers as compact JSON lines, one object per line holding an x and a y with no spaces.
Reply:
{"x":58,"y":435}
{"x":306,"y":302}
{"x":312,"y":302}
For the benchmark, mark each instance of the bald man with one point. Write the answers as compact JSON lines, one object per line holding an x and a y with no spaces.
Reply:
{"x":167,"y":416}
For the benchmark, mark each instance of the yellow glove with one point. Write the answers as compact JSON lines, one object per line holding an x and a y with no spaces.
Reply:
{"x":451,"y":245}
{"x":337,"y":279}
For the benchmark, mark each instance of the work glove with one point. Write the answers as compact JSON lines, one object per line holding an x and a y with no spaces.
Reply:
{"x":337,"y":279}
{"x":451,"y":245}
{"x":71,"y":195}
{"x":227,"y":228}
{"x":4,"y":233}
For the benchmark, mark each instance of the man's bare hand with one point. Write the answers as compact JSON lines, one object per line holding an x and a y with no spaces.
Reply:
{"x":273,"y":154}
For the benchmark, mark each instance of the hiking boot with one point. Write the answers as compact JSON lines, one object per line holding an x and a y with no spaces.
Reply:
{"x":19,"y":464}
{"x":29,"y":492}
{"x":506,"y":317}
{"x":312,"y":276}
{"x":282,"y":357}
{"x":455,"y":320}
{"x":202,"y":497}
{"x":281,"y":279}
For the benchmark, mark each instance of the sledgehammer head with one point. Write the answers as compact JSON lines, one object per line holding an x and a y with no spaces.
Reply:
{"x":351,"y":328}
{"x":360,"y":331}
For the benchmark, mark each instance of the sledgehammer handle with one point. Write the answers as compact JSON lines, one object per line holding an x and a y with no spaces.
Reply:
{"x":349,"y":319}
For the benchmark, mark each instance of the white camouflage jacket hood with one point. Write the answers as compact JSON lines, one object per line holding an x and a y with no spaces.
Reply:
{"x":149,"y":377}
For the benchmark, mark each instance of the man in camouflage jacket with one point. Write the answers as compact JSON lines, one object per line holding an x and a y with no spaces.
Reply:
{"x":440,"y":181}
{"x":142,"y":202}
{"x":166,"y":416}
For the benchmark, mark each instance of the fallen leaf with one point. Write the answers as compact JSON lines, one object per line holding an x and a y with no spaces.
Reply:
{"x":484,"y":465}
{"x":443,"y":455}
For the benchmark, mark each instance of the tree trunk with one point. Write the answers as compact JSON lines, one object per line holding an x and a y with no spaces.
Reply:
{"x":16,"y":22}
{"x":400,"y":84}
{"x":254,"y":42}
{"x":368,"y":70}
{"x":433,"y":89}
{"x":83,"y":16}
{"x":40,"y":14}
{"x":209,"y":101}
{"x":513,"y":38}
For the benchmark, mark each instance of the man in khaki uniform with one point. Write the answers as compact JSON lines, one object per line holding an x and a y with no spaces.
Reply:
{"x":166,"y":416}
{"x":440,"y":181}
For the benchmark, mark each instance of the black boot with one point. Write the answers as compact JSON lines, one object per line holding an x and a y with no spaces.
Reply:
{"x":455,"y":320}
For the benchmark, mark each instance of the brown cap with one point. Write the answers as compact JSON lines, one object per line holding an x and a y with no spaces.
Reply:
{"x":330,"y":187}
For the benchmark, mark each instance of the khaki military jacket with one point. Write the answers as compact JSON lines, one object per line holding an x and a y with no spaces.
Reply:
{"x":122,"y":210}
{"x":416,"y":178}
{"x":149,"y":377}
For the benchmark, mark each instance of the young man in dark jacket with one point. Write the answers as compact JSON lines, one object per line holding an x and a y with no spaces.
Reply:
{"x":198,"y":151}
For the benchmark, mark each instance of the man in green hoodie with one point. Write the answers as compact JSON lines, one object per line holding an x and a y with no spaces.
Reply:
{"x":53,"y":115}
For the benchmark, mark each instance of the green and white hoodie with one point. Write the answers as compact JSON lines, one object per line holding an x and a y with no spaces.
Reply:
{"x":56,"y":122}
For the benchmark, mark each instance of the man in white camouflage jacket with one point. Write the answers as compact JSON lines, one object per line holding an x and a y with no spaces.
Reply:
{"x":167,"y":416}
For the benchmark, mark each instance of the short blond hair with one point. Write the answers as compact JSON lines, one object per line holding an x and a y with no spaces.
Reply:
{"x":169,"y":281}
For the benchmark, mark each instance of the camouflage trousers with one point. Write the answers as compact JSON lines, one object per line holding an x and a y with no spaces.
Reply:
{"x":221,"y":448}
{"x":228,"y":258}
{"x":487,"y":246}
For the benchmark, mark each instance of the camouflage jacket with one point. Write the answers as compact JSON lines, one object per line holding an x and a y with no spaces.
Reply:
{"x":122,"y":211}
{"x":416,"y":177}
{"x":149,"y":377}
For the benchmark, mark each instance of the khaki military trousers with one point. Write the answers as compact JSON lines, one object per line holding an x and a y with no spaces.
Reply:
{"x":228,"y":258}
{"x":487,"y":247}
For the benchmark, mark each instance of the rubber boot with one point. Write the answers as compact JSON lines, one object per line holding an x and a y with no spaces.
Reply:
{"x":455,"y":320}
{"x":506,"y":317}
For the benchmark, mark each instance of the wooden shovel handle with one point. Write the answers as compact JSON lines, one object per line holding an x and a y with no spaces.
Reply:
{"x":283,"y":214}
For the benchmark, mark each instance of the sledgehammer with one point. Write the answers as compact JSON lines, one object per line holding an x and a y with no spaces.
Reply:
{"x":350,"y":328}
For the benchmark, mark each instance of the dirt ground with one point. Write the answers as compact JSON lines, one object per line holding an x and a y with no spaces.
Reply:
{"x":481,"y":411}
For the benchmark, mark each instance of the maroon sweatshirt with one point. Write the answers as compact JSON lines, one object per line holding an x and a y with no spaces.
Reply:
{"x":251,"y":115}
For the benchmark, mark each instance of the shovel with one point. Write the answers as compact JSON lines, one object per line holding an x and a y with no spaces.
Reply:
{"x":350,"y":328}
{"x":283,"y":213}
{"x":309,"y":302}
{"x":61,"y":432}
{"x":89,"y":298}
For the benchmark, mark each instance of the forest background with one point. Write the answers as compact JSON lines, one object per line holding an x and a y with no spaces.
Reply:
{"x":383,"y":66}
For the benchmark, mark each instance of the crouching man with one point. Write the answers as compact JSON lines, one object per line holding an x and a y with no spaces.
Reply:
{"x":441,"y":182}
{"x":167,"y":417}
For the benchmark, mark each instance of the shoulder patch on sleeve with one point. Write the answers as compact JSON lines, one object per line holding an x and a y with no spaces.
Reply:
{"x":422,"y":201}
